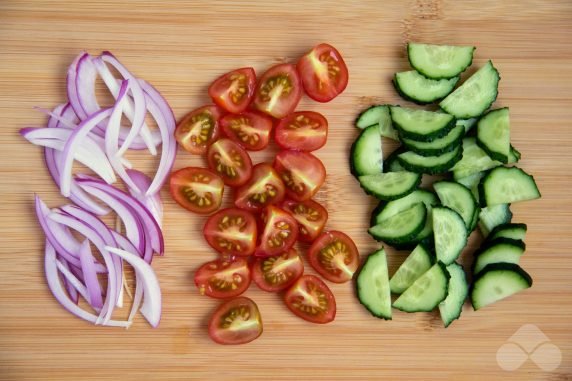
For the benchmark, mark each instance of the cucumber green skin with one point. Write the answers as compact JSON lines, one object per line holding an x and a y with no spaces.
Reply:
{"x":385,"y":197}
{"x":497,"y":267}
{"x":409,"y":144}
{"x":475,"y":220}
{"x":411,"y":97}
{"x":492,"y":154}
{"x":434,"y":77}
{"x":424,"y":138}
{"x":508,"y":226}
{"x":514,"y":155}
{"x":364,"y":112}
{"x":367,"y":307}
{"x":487,"y":244}
{"x":490,"y":173}
{"x":381,"y":206}
{"x":405,"y":238}
{"x":435,"y":170}
{"x":448,"y":322}
{"x":447,"y":276}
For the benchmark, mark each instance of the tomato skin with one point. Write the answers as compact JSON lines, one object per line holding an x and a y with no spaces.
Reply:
{"x":302,"y":173}
{"x":198,"y":129}
{"x":223,"y":278}
{"x":279,"y":234}
{"x":245,"y":322}
{"x":230,"y":161}
{"x":250,"y":129}
{"x":189,"y":182}
{"x":323,"y":72}
{"x":264,"y":188}
{"x":290,"y":268}
{"x":310,"y":215}
{"x":334,"y":256}
{"x":242,"y":81}
{"x":321,"y":311}
{"x":278,"y":91}
{"x":231,"y":232}
{"x":303,"y":131}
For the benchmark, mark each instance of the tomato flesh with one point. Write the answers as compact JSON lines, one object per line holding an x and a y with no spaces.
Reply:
{"x":198,"y":129}
{"x":231,"y":232}
{"x":312,"y":300}
{"x":233,"y":91}
{"x":223,"y":278}
{"x":279,"y":272}
{"x":249,"y":129}
{"x":279,"y":234}
{"x":303,"y":131}
{"x":311,"y":218}
{"x":264,"y":188}
{"x":197,"y":189}
{"x":302,"y":173}
{"x":230,"y":161}
{"x":334,"y":256}
{"x":235,"y":321}
{"x":278,"y":91}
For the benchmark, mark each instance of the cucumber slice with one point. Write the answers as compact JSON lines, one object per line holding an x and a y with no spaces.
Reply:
{"x":371,"y":116}
{"x":426,"y":292}
{"x":430,"y":164}
{"x":467,"y":124}
{"x":401,"y":227}
{"x":474,"y":160}
{"x":391,"y":185}
{"x":475,"y":220}
{"x":439,"y":61}
{"x":475,"y":96}
{"x":498,"y":281}
{"x":513,"y":155}
{"x":373,"y":285}
{"x":366,"y":155}
{"x":457,"y":197}
{"x":510,"y":231}
{"x":438,"y":146}
{"x":391,"y":164}
{"x":472,"y":182}
{"x":493,"y":216}
{"x":504,"y":185}
{"x":450,"y":234}
{"x":386,"y":210}
{"x":501,"y":250}
{"x":421,"y":125}
{"x":416,"y":264}
{"x":417,"y":88}
{"x":493,"y":134}
{"x":450,"y":309}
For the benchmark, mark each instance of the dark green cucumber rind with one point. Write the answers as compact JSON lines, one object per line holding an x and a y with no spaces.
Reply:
{"x":436,"y":169}
{"x":360,"y":290}
{"x":446,"y":276}
{"x":496,"y":243}
{"x":375,"y":212}
{"x":458,"y":281}
{"x":463,"y":197}
{"x":422,"y":72}
{"x":384,"y":210}
{"x":504,"y":231}
{"x":513,"y":155}
{"x":488,"y":177}
{"x":379,"y":193}
{"x":492,"y":154}
{"x":475,"y":220}
{"x":494,"y":267}
{"x":415,"y":98}
{"x":450,"y":256}
{"x":355,"y":166}
{"x":501,"y":214}
{"x":368,"y":113}
{"x":483,"y":128}
{"x":403,"y":133}
{"x":434,"y":148}
{"x":415,"y":228}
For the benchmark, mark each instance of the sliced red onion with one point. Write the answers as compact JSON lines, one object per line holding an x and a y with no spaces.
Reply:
{"x":90,"y":276}
{"x":152,"y":203}
{"x":70,"y":288}
{"x":86,"y":75}
{"x":72,"y":88}
{"x":78,"y":287}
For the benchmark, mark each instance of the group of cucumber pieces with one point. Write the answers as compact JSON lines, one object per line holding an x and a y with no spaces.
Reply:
{"x":437,"y":225}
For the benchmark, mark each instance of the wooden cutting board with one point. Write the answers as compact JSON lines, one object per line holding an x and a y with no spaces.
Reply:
{"x":181,"y":47}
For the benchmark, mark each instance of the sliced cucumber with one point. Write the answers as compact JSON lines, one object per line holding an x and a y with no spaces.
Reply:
{"x":401,"y":227}
{"x":498,"y":281}
{"x":416,"y":264}
{"x":504,"y":185}
{"x":513,"y":155}
{"x":450,"y":234}
{"x":467,"y":124}
{"x":430,"y":164}
{"x":421,"y":125}
{"x":475,"y":95}
{"x":500,"y":250}
{"x":371,"y":116}
{"x":493,"y":134}
{"x":386,"y":210}
{"x":366,"y":155}
{"x":474,"y":160}
{"x":391,"y":164}
{"x":472,"y":182}
{"x":426,"y":292}
{"x":417,"y":88}
{"x":475,"y":220}
{"x":450,"y":309}
{"x":438,"y":146}
{"x":439,"y":61}
{"x":373,"y":285}
{"x":510,"y":231}
{"x":391,"y":185}
{"x":493,"y":216}
{"x":457,"y":197}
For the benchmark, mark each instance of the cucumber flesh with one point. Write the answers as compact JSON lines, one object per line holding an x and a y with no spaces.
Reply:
{"x":401,"y":227}
{"x":504,"y":185}
{"x":366,"y":155}
{"x":474,"y":160}
{"x":450,"y":309}
{"x":493,"y":134}
{"x":510,"y":230}
{"x":416,"y":264}
{"x":498,"y":281}
{"x":371,"y":116}
{"x":417,"y":88}
{"x":472,"y":182}
{"x":373,"y":285}
{"x":391,"y":185}
{"x":450,"y":234}
{"x":438,"y":146}
{"x":513,"y":155}
{"x":457,"y":197}
{"x":391,"y":163}
{"x":385,"y":211}
{"x":426,"y":292}
{"x":439,"y":61}
{"x":467,"y":124}
{"x":493,"y":216}
{"x":430,"y":164}
{"x":501,"y":250}
{"x":421,"y":125}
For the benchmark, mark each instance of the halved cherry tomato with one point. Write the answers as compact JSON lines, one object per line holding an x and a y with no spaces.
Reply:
{"x":310,"y":299}
{"x":230,"y":161}
{"x":234,"y":90}
{"x":197,"y":189}
{"x":235,"y":321}
{"x":279,"y":90}
{"x":303,"y":173}
{"x":311,"y":218}
{"x":231,"y":231}
{"x":223,"y":278}
{"x":334,"y":256}
{"x":250,"y":129}
{"x":279,"y":234}
{"x":303,"y":130}
{"x":198,"y":129}
{"x":264,"y":188}
{"x":324,"y":73}
{"x":277,"y":273}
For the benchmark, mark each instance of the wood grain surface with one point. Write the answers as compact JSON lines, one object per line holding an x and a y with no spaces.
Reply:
{"x":181,"y":47}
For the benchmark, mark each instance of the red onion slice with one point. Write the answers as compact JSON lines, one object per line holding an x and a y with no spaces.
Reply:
{"x":69,"y":278}
{"x":152,"y":203}
{"x":70,"y":288}
{"x":90,"y":276}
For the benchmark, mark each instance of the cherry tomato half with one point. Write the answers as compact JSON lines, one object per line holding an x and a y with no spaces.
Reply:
{"x":334,"y":256}
{"x":303,"y":130}
{"x":279,"y":234}
{"x":279,"y":272}
{"x":323,"y":72}
{"x":223,"y":278}
{"x":230,"y":161}
{"x":278,"y":91}
{"x":197,"y":189}
{"x":264,"y":188}
{"x":310,"y":215}
{"x":198,"y":129}
{"x":250,"y":129}
{"x":302,"y":173}
{"x":236,"y":321}
{"x":234,"y":90}
{"x":311,"y":299}
{"x":231,"y":231}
